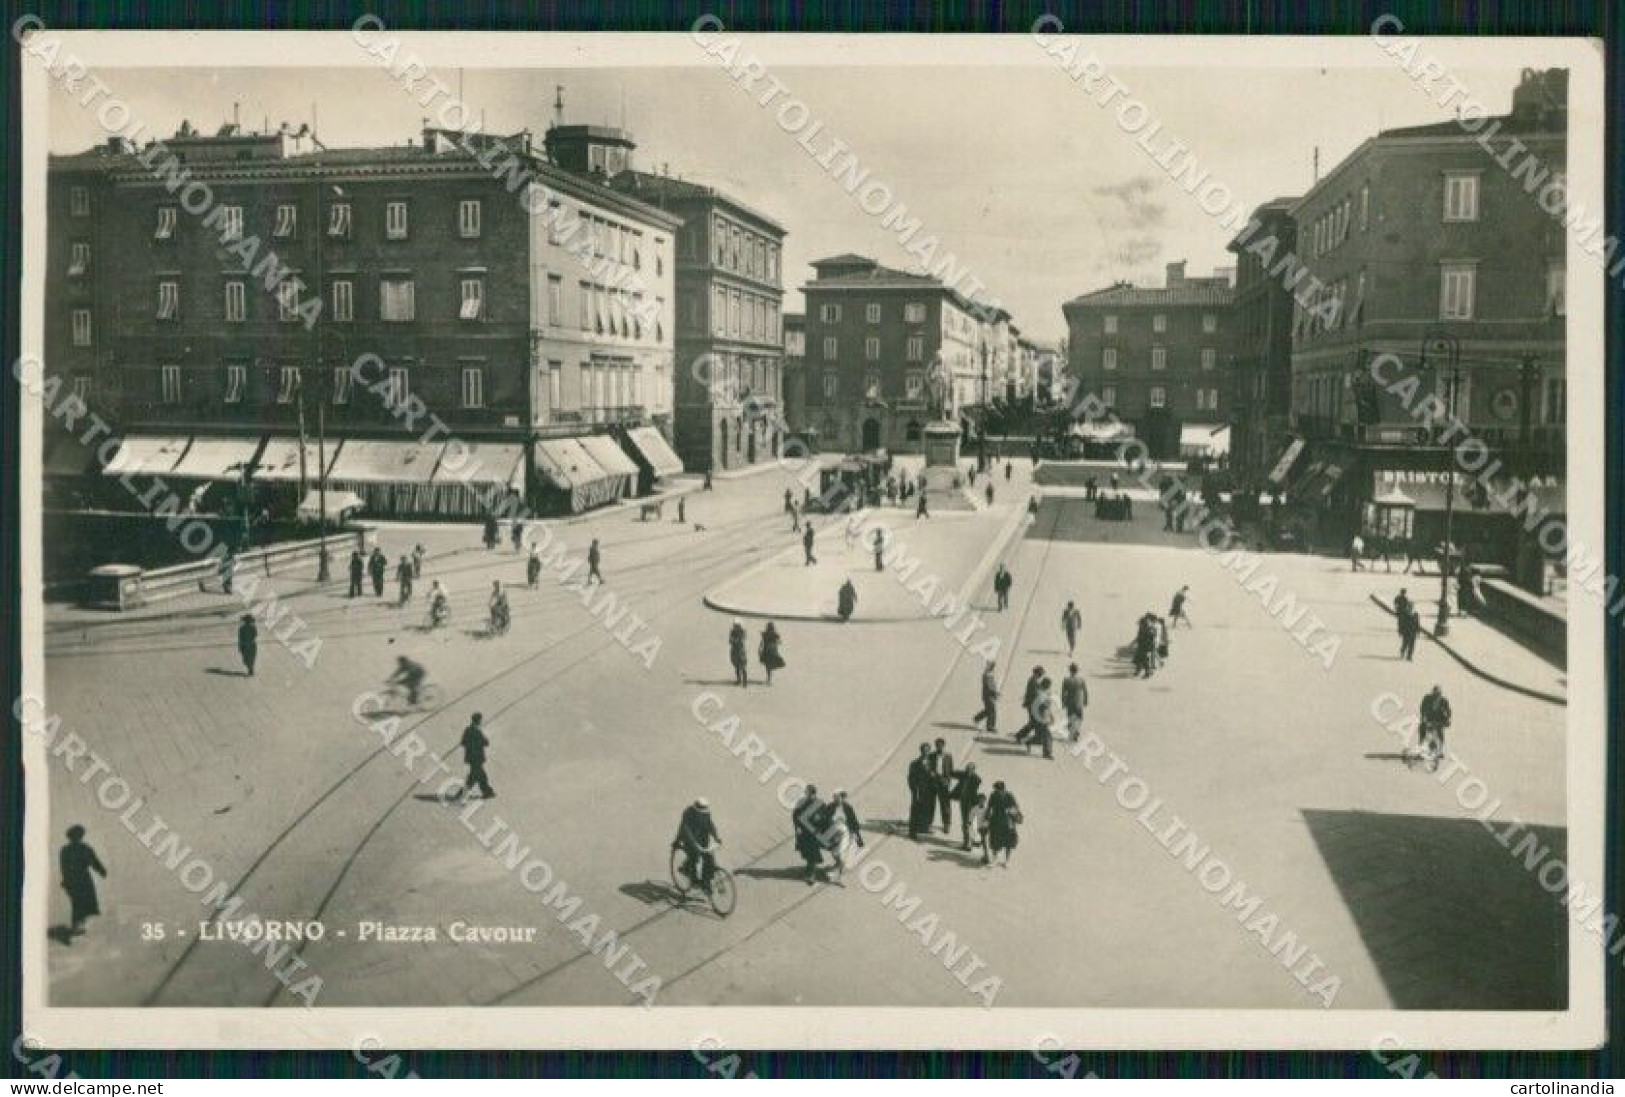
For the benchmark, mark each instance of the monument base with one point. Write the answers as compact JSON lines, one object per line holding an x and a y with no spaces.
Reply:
{"x":946,"y":484}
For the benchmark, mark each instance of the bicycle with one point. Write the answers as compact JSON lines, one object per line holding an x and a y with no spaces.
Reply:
{"x":500,"y":619}
{"x":397,"y":693}
{"x":720,"y":894}
{"x":439,"y":614}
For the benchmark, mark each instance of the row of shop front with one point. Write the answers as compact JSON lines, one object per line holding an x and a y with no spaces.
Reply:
{"x":452,"y":479}
{"x":1407,"y":495}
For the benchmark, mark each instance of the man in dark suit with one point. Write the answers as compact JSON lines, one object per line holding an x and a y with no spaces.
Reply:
{"x":922,"y":791}
{"x":942,"y":769}
{"x":990,"y":699}
{"x":358,"y":569}
{"x":474,"y":744}
{"x":378,"y":568}
{"x":1029,"y":694}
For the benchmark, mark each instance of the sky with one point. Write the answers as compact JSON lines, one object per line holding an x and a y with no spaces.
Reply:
{"x":1015,"y":170}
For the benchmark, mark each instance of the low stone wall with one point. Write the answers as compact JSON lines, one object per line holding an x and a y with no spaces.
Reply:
{"x":1531,"y":621}
{"x":160,"y":584}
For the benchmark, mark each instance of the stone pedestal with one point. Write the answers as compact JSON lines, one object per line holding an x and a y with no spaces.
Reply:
{"x":945,"y":483}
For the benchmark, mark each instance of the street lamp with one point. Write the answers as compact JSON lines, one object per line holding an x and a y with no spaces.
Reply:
{"x":1448,"y":349}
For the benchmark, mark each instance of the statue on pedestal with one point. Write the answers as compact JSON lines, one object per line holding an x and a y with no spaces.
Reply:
{"x":940,"y":388}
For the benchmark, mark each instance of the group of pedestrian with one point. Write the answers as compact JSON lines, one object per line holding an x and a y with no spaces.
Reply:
{"x":769,"y":652}
{"x":1116,"y":507}
{"x":825,"y":827}
{"x":1150,"y":644}
{"x":987,"y":821}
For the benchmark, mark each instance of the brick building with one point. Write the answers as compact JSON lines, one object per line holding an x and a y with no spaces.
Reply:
{"x":730,"y":375}
{"x":873,"y":334}
{"x":210,"y":295}
{"x":1261,"y":387}
{"x":1161,"y":357}
{"x":1432,"y":253}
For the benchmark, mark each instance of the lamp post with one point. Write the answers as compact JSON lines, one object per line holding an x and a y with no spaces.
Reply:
{"x":1448,"y":349}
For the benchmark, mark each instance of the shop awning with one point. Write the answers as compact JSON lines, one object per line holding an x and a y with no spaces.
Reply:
{"x":656,"y":451}
{"x":146,"y":456}
{"x":1103,"y":432}
{"x":385,"y":462}
{"x":568,"y":466}
{"x":279,"y":461}
{"x":1204,"y":439}
{"x":608,"y":455}
{"x":217,"y":458}
{"x":482,"y":463}
{"x":67,"y":455}
{"x":1288,"y":458}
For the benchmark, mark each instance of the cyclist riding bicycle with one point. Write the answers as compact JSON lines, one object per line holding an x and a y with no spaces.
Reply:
{"x":498,"y":605}
{"x":439,"y":603}
{"x":697,"y":837}
{"x":1435,"y":717}
{"x":410,"y":676}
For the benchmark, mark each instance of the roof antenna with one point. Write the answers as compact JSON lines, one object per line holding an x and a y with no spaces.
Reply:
{"x":558,"y":104}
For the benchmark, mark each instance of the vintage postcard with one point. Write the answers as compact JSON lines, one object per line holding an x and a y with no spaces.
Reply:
{"x":705,"y":540}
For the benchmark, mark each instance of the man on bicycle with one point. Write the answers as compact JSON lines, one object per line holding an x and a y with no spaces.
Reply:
{"x":498,"y":606}
{"x":439,"y":602}
{"x":410,"y":676}
{"x":1435,"y":717}
{"x":696,"y":835}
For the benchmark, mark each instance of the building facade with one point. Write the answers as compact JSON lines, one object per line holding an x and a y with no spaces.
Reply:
{"x":1261,"y":387}
{"x":873,"y":337}
{"x":1442,"y":264}
{"x":795,"y":372}
{"x":730,"y":375}
{"x":227,"y":287}
{"x":1160,"y":357}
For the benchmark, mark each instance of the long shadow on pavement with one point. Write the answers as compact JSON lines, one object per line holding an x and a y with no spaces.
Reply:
{"x":1451,"y":919}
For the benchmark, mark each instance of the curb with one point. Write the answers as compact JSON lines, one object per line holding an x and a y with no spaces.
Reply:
{"x":1538,"y":695}
{"x":978,"y":574}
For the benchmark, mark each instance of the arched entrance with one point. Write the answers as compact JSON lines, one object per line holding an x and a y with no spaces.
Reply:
{"x":871,"y":434}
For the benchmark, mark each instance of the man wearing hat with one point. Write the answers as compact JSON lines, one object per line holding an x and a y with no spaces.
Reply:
{"x":696,"y":834}
{"x":1030,"y":693}
{"x":474,"y":743}
{"x":248,"y":642}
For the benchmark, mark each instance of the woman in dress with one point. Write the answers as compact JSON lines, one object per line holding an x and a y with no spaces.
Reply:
{"x":1003,"y":819}
{"x":772,"y":658}
{"x":78,"y":861}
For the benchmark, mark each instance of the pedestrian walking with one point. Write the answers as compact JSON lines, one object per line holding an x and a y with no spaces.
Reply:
{"x":403,"y":578}
{"x":518,"y":531}
{"x":1176,"y":610}
{"x":1002,"y":582}
{"x":1074,"y":699}
{"x":974,"y":818}
{"x":789,"y":501}
{"x":846,"y":601}
{"x":990,"y":491}
{"x":967,"y":791}
{"x":1356,"y":552}
{"x":474,"y":744}
{"x":418,"y":553}
{"x":805,"y":820}
{"x":594,"y":558}
{"x":879,"y":541}
{"x":1402,"y":602}
{"x":492,"y":534}
{"x":682,"y":509}
{"x":920,"y":508}
{"x":795,"y":518}
{"x":1004,"y":820}
{"x":942,"y":768}
{"x":228,"y":570}
{"x":807,"y":545}
{"x":248,"y":642}
{"x":841,"y":832}
{"x":990,"y":700}
{"x":1071,"y":622}
{"x":378,"y":568}
{"x":736,"y":654}
{"x":78,"y":862}
{"x":1410,"y":626}
{"x":1042,"y":719}
{"x":358,"y":570}
{"x":922,"y":792}
{"x":1009,"y":470}
{"x":1029,"y":700}
{"x":770,"y":652}
{"x":1145,"y":645}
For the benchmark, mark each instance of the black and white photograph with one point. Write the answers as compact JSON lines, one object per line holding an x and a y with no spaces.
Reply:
{"x":710,"y":540}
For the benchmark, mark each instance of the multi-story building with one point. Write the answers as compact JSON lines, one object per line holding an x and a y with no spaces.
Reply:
{"x":235,"y":280}
{"x":1435,"y":257}
{"x":730,"y":376}
{"x":1160,"y":357}
{"x":1261,"y":387}
{"x":874,"y":335}
{"x":795,"y":372}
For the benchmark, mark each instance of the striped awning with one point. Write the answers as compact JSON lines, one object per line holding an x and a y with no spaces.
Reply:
{"x":146,"y":456}
{"x":217,"y":458}
{"x":385,"y":462}
{"x":482,"y":463}
{"x":656,"y":451}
